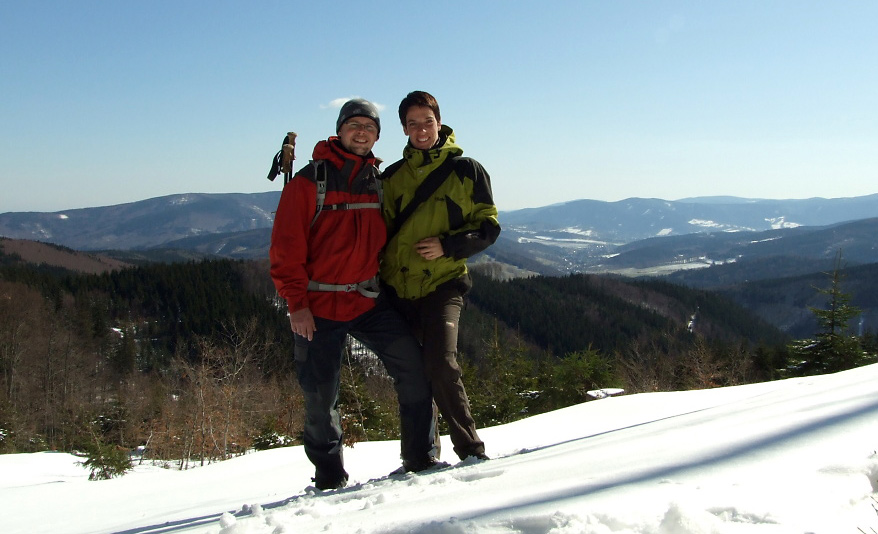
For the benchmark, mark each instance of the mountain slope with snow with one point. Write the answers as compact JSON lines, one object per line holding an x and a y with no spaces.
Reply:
{"x":790,"y":456}
{"x":189,"y":220}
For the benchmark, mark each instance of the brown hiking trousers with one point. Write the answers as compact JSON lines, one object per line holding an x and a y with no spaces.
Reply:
{"x":434,"y":320}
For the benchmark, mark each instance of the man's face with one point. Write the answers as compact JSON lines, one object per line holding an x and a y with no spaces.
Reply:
{"x":358,"y":135}
{"x":421,"y":127}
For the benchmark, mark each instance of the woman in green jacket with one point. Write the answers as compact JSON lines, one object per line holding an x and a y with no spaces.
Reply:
{"x":431,"y":233}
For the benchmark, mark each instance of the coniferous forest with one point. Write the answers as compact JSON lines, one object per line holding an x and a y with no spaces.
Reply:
{"x":190,"y":363}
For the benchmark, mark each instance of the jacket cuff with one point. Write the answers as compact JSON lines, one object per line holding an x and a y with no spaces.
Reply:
{"x":446,"y":250}
{"x":297,"y":304}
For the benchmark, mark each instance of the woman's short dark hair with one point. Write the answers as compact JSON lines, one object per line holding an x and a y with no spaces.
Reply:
{"x":418,"y":98}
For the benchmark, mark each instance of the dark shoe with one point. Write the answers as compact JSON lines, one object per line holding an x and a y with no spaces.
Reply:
{"x":330,"y":482}
{"x":422,"y":465}
{"x":478,"y":456}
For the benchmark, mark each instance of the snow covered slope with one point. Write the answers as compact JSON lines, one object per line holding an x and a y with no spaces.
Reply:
{"x":791,"y":456}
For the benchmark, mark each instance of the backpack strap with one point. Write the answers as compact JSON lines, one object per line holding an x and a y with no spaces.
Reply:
{"x":321,"y":186}
{"x":352,"y":206}
{"x":321,"y":179}
{"x":429,"y":186}
{"x":389,"y":171}
{"x":367,"y":288}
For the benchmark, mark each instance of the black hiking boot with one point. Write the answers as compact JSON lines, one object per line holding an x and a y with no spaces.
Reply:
{"x":422,"y":465}
{"x":323,"y":481}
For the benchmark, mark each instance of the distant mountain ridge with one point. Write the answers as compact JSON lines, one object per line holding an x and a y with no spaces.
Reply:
{"x":146,"y":223}
{"x":634,"y":219}
{"x":555,"y":240}
{"x":855,"y":240}
{"x":161,"y":221}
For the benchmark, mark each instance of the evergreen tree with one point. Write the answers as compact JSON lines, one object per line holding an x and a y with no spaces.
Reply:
{"x":501,"y":384}
{"x":578,"y":373}
{"x":834,"y":347}
{"x":105,"y":459}
{"x":124,"y":357}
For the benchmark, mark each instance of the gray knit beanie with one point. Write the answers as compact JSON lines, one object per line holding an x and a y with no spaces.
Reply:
{"x":357,"y":107}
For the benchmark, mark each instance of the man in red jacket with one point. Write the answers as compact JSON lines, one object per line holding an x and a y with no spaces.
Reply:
{"x":325,"y":265}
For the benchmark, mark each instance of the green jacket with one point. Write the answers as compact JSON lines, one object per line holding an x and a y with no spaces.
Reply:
{"x":461,"y":213}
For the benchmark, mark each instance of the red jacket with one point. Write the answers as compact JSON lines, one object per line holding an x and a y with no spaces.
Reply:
{"x":341,"y":247}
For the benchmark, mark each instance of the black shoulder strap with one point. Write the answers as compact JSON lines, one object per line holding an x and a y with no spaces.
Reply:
{"x":429,"y":186}
{"x":322,"y":177}
{"x":388,"y":171}
{"x":321,"y":186}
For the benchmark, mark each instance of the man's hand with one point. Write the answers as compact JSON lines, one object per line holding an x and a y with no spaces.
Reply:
{"x":430,"y":248}
{"x":302,"y":323}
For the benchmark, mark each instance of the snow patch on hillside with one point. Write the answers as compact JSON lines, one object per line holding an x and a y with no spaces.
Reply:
{"x":180,"y":200}
{"x":780,"y":222}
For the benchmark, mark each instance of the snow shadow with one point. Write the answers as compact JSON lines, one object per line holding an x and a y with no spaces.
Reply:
{"x":666,"y":471}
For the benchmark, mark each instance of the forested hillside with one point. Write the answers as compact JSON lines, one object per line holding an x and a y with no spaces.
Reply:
{"x":575,"y":312}
{"x":564,"y":336}
{"x":191,"y":360}
{"x":785,"y":301}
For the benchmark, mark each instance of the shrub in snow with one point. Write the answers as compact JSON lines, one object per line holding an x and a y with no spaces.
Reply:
{"x":106,"y":461}
{"x":271,"y":440}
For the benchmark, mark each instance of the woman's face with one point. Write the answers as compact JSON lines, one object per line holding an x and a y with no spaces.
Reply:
{"x":421,"y":127}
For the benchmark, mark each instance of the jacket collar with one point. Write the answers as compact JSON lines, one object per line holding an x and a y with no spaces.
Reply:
{"x":332,"y":150}
{"x":446,"y":147}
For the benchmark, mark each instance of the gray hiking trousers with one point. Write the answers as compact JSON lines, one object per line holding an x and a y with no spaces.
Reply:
{"x":435,"y":321}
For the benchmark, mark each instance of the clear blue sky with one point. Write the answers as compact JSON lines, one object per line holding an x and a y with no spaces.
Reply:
{"x":107,"y":102}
